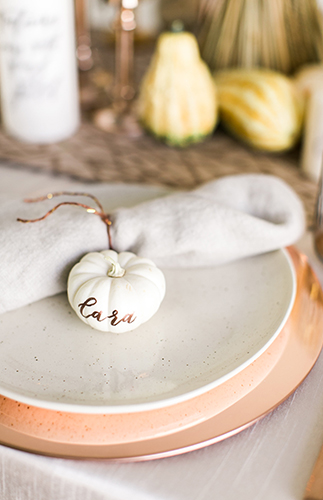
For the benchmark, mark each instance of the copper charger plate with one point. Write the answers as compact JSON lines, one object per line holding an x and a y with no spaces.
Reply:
{"x":304,"y":342}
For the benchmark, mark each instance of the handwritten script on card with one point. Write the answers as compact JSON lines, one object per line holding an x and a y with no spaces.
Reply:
{"x":91,"y":301}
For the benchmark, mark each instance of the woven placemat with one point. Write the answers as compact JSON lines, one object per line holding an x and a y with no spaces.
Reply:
{"x":94,"y":155}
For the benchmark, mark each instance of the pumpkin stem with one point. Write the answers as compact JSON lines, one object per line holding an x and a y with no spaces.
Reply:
{"x":177,"y":26}
{"x":115,"y":271}
{"x":104,"y":217}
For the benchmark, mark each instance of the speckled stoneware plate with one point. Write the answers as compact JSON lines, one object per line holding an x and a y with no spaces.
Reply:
{"x":125,"y":428}
{"x":213,"y":323}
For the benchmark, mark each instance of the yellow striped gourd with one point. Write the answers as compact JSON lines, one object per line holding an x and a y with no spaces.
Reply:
{"x":177,"y":100}
{"x":262,"y":108}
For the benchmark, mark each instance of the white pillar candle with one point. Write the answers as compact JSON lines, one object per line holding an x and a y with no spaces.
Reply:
{"x":38,"y":73}
{"x":310,"y":81}
{"x":312,"y":150}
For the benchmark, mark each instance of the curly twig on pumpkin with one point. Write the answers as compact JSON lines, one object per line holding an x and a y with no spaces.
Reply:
{"x":104,"y":217}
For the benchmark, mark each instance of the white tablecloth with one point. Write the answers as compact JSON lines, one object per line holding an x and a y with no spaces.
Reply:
{"x":270,"y":461}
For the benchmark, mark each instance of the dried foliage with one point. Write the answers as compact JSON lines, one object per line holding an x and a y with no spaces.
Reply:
{"x":277,"y":34}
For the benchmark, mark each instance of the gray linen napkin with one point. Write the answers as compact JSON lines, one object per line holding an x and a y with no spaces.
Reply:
{"x":224,"y":220}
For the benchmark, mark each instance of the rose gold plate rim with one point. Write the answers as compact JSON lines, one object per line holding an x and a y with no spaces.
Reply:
{"x":304,"y":345}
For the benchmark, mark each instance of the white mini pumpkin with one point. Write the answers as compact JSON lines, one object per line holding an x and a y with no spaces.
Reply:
{"x":115,"y":292}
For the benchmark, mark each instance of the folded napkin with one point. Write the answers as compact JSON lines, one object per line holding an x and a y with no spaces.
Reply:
{"x":224,"y":220}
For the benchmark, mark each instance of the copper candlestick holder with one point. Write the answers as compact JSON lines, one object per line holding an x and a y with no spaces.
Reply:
{"x":83,"y":37}
{"x":89,"y":92}
{"x":119,"y":118}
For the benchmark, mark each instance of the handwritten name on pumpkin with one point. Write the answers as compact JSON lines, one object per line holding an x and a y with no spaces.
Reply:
{"x":91,"y":301}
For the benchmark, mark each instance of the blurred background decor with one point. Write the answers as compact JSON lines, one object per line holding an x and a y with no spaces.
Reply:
{"x":280,"y":35}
